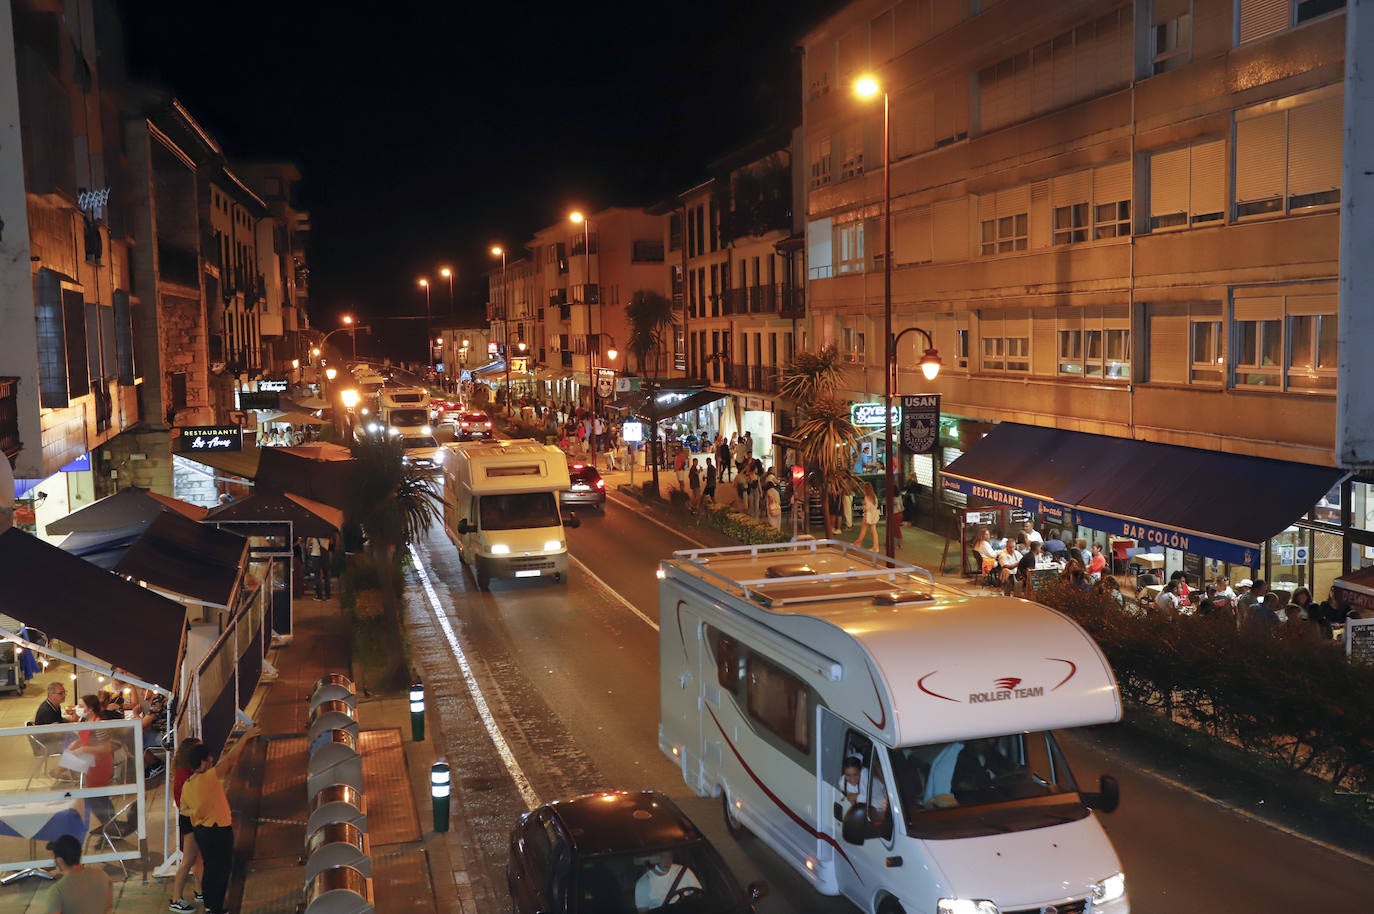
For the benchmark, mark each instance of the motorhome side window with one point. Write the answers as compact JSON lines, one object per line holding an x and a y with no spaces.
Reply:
{"x":726,"y":651}
{"x":779,"y":701}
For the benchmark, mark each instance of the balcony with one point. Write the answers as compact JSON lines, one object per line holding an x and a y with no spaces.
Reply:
{"x":558,"y":297}
{"x":566,"y":359}
{"x":759,"y":378}
{"x":764,"y":299}
{"x":793,"y":303}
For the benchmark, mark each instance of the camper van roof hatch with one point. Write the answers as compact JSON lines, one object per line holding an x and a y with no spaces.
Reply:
{"x":784,"y":593}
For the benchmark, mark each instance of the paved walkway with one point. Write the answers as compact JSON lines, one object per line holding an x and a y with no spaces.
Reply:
{"x":415,"y":870}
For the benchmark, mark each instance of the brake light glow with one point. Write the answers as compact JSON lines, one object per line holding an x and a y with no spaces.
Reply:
{"x":601,"y":483}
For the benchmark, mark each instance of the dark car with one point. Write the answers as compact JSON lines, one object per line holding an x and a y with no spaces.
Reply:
{"x":472,"y":426}
{"x":619,"y":851}
{"x":588,"y":488}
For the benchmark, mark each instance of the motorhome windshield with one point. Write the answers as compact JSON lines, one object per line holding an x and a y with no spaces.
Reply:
{"x":519,"y":511}
{"x":985,"y":786}
{"x":402,"y":418}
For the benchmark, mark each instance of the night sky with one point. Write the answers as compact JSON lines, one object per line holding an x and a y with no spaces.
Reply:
{"x":427,"y":132}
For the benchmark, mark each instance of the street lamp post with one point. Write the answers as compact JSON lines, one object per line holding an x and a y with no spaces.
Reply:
{"x":447,"y":273}
{"x":429,"y":350}
{"x":867,"y":87}
{"x":499,"y":251}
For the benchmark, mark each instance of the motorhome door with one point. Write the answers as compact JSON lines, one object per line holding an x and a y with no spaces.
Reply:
{"x":854,"y":771}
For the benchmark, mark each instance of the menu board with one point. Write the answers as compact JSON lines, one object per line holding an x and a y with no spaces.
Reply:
{"x":1193,"y":568}
{"x":1359,"y":640}
{"x":1019,"y":515}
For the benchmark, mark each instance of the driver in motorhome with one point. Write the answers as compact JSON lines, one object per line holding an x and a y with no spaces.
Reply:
{"x":855,"y":786}
{"x":980,"y":763}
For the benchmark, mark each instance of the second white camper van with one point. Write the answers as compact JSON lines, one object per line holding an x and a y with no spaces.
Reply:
{"x":892,"y":742}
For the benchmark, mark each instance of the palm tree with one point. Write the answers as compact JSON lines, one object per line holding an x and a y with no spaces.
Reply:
{"x":652,"y":320}
{"x":828,"y":438}
{"x":396,"y":504}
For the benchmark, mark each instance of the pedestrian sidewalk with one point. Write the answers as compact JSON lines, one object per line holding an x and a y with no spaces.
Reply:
{"x":414,"y":869}
{"x":918,"y":546}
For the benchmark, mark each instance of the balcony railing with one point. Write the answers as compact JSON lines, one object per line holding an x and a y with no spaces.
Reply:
{"x":566,"y":358}
{"x":760,"y":378}
{"x":771,"y":298}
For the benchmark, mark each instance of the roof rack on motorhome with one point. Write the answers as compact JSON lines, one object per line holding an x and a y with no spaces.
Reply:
{"x":853,"y":573}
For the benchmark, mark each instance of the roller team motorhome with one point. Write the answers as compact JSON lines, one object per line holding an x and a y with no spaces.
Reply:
{"x":501,"y":509}
{"x":889,"y":738}
{"x":405,"y":409}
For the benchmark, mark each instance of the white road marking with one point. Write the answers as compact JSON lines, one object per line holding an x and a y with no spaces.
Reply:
{"x":647,"y":514}
{"x":503,"y":749}
{"x":610,"y":591}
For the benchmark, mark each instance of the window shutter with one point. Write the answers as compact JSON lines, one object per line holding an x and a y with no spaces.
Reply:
{"x":1164,"y":10}
{"x":994,"y":100}
{"x":1312,"y":304}
{"x":1168,"y":356}
{"x":905,"y":113}
{"x":880,"y":38}
{"x":1042,"y":78}
{"x":1256,"y":308}
{"x":951,"y":110}
{"x":1115,"y":50}
{"x":1065,"y":89}
{"x":1013,"y":200}
{"x":1040,"y":215}
{"x":1112,"y":183}
{"x":987,"y":207}
{"x":1314,"y":148}
{"x":1076,"y":187}
{"x":1260,"y":157}
{"x":1207,"y":181}
{"x":1168,"y":183}
{"x":1044,"y":341}
{"x":949,"y":230}
{"x":1259,"y":18}
{"x":911,"y":242}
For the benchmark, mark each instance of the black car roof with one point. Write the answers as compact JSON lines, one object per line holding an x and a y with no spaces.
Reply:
{"x":624,"y":821}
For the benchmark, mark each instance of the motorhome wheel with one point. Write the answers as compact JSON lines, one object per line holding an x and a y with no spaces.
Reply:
{"x":738,"y":830}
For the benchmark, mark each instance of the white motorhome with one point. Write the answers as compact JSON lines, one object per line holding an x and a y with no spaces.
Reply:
{"x":501,"y":509}
{"x":889,"y":738}
{"x":405,"y":409}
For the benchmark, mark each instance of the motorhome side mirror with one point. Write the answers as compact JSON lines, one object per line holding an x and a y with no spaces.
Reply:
{"x":857,"y":828}
{"x":839,"y":813}
{"x":572,"y":520}
{"x":464,"y":527}
{"x":1108,"y":796}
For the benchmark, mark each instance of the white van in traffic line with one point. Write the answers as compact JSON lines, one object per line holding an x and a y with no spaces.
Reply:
{"x":889,"y":738}
{"x":501,"y":509}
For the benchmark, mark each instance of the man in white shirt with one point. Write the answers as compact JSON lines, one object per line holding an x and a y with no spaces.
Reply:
{"x":1032,"y":535}
{"x":661,"y":880}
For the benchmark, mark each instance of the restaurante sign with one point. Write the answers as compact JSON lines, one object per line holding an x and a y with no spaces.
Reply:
{"x":212,"y":438}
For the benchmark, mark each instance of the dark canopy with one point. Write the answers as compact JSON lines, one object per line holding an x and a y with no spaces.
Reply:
{"x":323,"y":473}
{"x":195,"y":560}
{"x":308,"y":518}
{"x":126,"y":508}
{"x":95,"y":611}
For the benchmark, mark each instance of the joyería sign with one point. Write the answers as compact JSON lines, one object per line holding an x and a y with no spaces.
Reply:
{"x":212,"y":438}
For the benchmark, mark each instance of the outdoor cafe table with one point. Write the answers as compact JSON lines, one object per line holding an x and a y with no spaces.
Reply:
{"x":42,"y":821}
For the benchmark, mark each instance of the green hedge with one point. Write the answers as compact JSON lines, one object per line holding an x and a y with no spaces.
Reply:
{"x":742,"y":527}
{"x":1298,"y":703}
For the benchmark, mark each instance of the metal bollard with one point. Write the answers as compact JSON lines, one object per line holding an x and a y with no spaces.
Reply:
{"x":417,"y":711}
{"x":438,"y":792}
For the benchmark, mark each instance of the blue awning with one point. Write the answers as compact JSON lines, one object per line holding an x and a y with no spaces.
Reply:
{"x":1208,"y":503}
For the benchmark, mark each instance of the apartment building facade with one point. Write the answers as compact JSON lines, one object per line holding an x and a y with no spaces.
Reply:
{"x":740,"y":272}
{"x":1119,"y":222}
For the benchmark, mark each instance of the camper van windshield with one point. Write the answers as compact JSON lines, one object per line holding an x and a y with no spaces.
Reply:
{"x":519,"y":510}
{"x":402,"y":418}
{"x":985,"y":786}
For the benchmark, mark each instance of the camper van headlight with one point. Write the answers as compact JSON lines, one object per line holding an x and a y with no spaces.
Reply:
{"x":965,"y":906}
{"x":426,"y":430}
{"x":553,"y":545}
{"x":500,"y":549}
{"x":1109,"y":889}
{"x":439,"y":456}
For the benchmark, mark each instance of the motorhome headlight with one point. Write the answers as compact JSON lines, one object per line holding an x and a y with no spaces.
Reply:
{"x":439,"y":456}
{"x":1109,"y":889}
{"x":660,"y":574}
{"x":553,"y":545}
{"x":426,"y":430}
{"x":393,"y":431}
{"x":965,"y":906}
{"x":500,"y":549}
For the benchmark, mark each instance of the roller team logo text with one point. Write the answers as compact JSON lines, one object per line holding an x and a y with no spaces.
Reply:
{"x":1007,"y":689}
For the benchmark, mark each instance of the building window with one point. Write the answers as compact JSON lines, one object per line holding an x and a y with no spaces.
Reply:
{"x":1091,"y":204}
{"x":1188,"y":185}
{"x":1171,"y":34}
{"x":852,"y":165}
{"x":1288,"y":155}
{"x":819,"y":249}
{"x":850,"y":241}
{"x":994,"y":353}
{"x":1006,"y":342}
{"x":1112,"y":220}
{"x":1208,"y":348}
{"x":1261,"y":18}
{"x":1095,"y":344}
{"x":1071,"y":223}
{"x":961,"y":347}
{"x":852,"y":345}
{"x":1005,"y":234}
{"x":1284,"y":341}
{"x":820,"y":162}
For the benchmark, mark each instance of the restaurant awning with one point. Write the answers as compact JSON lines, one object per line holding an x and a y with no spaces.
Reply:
{"x":308,"y":518}
{"x":129,"y":507}
{"x":491,"y":368}
{"x":95,"y":611}
{"x":666,"y":404}
{"x":194,"y":560}
{"x":321,"y":472}
{"x":243,"y":464}
{"x":1208,"y":503}
{"x":103,"y":548}
{"x":1358,"y":587}
{"x":295,"y":418}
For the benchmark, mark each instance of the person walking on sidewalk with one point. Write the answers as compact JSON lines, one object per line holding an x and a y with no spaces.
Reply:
{"x":870,"y":522}
{"x":723,"y":458}
{"x":694,"y":483}
{"x":186,"y":832}
{"x":709,"y":491}
{"x":207,"y":806}
{"x":82,"y":889}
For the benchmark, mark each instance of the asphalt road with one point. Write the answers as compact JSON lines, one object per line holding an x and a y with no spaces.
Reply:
{"x":567,"y":677}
